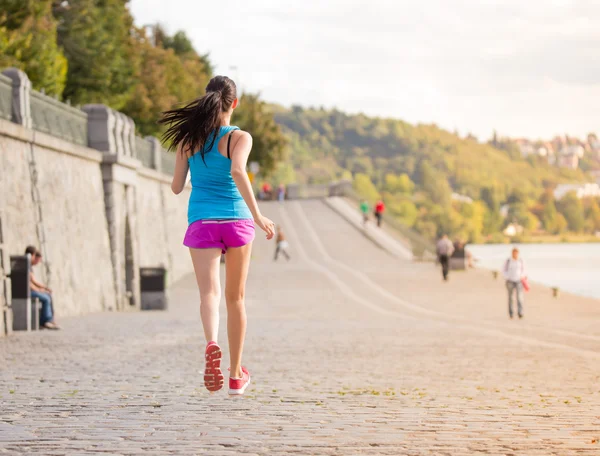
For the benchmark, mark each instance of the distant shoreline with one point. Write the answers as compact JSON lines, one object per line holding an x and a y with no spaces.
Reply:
{"x":568,"y":267}
{"x":560,"y":239}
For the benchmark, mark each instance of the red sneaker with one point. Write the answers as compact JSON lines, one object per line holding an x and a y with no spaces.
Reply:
{"x":213,"y":377}
{"x":237,"y":386}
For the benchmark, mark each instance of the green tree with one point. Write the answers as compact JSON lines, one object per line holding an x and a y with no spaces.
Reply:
{"x":561,"y":224}
{"x":493,"y":220}
{"x":474,"y":217}
{"x":434,"y":184}
{"x":28,"y":41}
{"x":520,"y":214}
{"x":571,"y":207}
{"x":592,"y":216}
{"x":97,"y":39}
{"x":163,"y":81}
{"x":365,"y":188}
{"x":517,"y":196}
{"x":254,"y":116}
{"x":405,"y":210}
{"x":405,"y":185}
{"x":427,"y":228}
{"x":399,"y":184}
{"x":180,"y":44}
{"x":550,"y":215}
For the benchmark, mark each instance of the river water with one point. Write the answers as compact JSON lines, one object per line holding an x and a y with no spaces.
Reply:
{"x":571,"y":267}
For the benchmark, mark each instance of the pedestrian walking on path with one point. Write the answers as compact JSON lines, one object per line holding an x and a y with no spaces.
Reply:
{"x":364,"y":209}
{"x":514,"y":274}
{"x":281,"y":193}
{"x":222,"y":212}
{"x":282,"y":244}
{"x":444,"y":249}
{"x":379,"y":210}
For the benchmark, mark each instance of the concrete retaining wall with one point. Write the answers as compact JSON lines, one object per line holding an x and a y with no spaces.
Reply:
{"x":72,"y":203}
{"x":103,"y":215}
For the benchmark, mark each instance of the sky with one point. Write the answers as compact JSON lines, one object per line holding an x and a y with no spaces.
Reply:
{"x":527,"y":68}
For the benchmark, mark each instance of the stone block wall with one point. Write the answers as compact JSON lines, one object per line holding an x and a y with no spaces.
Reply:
{"x":102,"y":213}
{"x":164,"y":216}
{"x":72,"y":202}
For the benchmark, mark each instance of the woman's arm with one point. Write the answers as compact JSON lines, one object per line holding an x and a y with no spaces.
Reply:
{"x":181,"y":171}
{"x":239,"y":158}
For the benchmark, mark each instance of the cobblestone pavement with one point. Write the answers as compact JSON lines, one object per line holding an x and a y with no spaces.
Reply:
{"x":351,"y":352}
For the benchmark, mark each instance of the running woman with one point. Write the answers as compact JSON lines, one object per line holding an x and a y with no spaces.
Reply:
{"x":222,"y":212}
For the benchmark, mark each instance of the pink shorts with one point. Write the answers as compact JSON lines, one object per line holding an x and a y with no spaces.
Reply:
{"x":219,"y":234}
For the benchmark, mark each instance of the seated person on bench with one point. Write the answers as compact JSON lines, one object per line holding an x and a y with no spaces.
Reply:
{"x":40,"y":291}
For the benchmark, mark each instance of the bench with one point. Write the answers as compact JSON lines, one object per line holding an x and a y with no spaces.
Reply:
{"x":25,"y":311}
{"x":458,"y":260}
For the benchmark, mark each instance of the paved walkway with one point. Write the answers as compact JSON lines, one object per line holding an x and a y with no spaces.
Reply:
{"x":352,"y":351}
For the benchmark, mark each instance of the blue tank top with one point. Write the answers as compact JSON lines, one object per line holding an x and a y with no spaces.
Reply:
{"x":214,"y":193}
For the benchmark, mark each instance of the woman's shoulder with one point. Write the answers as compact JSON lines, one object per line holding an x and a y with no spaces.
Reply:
{"x":237,"y":131}
{"x":237,"y":134}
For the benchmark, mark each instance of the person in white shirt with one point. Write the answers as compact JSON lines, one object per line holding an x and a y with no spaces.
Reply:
{"x":514,"y":272}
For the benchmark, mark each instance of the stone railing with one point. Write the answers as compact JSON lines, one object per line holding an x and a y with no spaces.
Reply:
{"x":5,"y":97}
{"x":144,"y":151}
{"x":58,"y":119}
{"x":95,"y":125}
{"x":316,"y":191}
{"x":167,"y":161}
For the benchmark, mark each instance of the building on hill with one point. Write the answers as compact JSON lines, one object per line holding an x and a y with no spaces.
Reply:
{"x":550,"y":152}
{"x":573,"y":149}
{"x":558,"y":142}
{"x":596,"y":175}
{"x":525,"y":147}
{"x":568,"y":160}
{"x":513,"y":229}
{"x":594,"y":146}
{"x":461,"y":198}
{"x":528,"y":148}
{"x":581,"y":190}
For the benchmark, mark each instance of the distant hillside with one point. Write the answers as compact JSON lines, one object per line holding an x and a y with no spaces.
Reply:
{"x":324,"y":143}
{"x":417,"y":168}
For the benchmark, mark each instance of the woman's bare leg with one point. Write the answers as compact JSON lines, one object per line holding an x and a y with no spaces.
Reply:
{"x":237,"y":262}
{"x":206,"y":265}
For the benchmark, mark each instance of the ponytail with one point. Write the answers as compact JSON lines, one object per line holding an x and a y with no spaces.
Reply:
{"x":194,"y":127}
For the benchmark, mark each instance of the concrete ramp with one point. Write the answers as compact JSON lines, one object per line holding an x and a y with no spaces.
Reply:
{"x":371,"y":231}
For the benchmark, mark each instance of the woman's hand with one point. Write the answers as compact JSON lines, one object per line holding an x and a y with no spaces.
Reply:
{"x":266,"y":225}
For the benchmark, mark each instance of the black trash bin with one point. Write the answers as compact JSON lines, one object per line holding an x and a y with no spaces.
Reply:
{"x":153,"y":288}
{"x":25,"y":311}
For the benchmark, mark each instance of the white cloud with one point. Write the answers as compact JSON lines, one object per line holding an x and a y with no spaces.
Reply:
{"x":524,"y":68}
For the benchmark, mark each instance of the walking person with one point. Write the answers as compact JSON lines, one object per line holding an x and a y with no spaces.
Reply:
{"x":514,"y":274}
{"x":267,"y":191}
{"x":444,"y":250}
{"x":281,"y":193}
{"x":282,"y":244}
{"x":364,"y":209}
{"x":41,"y":292}
{"x":222,"y":211}
{"x":379,"y":210}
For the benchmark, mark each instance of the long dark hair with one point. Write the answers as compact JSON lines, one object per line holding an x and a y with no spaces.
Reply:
{"x":195,"y":125}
